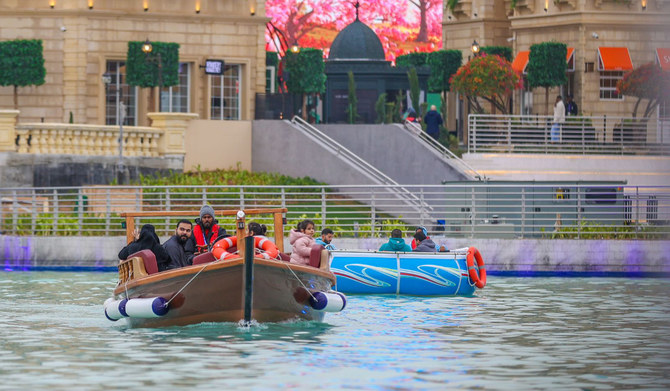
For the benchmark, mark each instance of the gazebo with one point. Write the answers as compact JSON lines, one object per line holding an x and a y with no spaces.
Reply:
{"x":358,"y":49}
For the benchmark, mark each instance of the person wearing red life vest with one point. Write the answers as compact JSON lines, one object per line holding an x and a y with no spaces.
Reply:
{"x":206,"y":230}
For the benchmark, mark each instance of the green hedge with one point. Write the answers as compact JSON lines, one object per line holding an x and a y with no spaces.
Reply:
{"x":142,"y":69}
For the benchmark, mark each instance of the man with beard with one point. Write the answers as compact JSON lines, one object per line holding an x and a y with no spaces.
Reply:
{"x":179,"y":248}
{"x":206,"y":230}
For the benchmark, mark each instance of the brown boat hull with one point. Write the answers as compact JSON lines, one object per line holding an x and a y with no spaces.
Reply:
{"x":216,"y":293}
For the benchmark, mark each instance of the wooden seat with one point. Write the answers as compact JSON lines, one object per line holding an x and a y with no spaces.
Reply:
{"x":149,"y":259}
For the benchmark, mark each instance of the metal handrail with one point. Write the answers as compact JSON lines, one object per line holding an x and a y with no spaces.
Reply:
{"x":368,"y":169}
{"x":577,"y":135}
{"x":448,"y":156}
{"x":466,"y":209}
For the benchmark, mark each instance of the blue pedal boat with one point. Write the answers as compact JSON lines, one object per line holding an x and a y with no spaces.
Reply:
{"x":408,"y":273}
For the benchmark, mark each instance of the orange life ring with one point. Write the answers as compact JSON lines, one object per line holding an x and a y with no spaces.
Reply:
{"x":269,"y":249}
{"x":478,"y":279}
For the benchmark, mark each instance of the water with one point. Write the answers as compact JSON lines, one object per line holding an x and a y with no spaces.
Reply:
{"x":518,"y":333}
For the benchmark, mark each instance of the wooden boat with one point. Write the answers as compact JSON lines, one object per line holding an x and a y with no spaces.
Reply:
{"x":242,"y":287}
{"x":408,"y":273}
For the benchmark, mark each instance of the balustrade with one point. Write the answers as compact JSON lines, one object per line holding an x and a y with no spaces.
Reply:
{"x":86,"y":140}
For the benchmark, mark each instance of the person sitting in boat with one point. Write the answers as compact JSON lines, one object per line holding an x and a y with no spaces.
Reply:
{"x":424,"y":244}
{"x":302,"y":241}
{"x":179,"y":248}
{"x":396,"y":243}
{"x":257,"y":229}
{"x":146,"y":239}
{"x":206,"y":230}
{"x":419,"y":229}
{"x":326,"y":238}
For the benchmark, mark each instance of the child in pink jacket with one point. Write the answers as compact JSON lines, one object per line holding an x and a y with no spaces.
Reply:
{"x":302,"y":241}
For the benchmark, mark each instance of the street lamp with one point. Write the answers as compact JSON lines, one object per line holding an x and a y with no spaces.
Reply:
{"x":295,"y":48}
{"x":475,"y":48}
{"x":147,"y":49}
{"x":121,"y":176}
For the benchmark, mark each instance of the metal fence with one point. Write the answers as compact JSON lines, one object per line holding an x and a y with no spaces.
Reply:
{"x":473,"y":210}
{"x":578,"y":135}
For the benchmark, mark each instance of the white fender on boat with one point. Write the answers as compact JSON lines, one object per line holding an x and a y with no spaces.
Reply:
{"x":328,"y":301}
{"x":152,"y":307}
{"x":115,"y":309}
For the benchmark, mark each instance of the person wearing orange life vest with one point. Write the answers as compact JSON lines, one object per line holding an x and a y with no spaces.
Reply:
{"x":206,"y":230}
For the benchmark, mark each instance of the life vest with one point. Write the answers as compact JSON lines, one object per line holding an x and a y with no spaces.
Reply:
{"x":201,"y":238}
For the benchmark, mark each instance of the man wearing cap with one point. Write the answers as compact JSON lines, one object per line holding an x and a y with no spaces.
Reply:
{"x":206,"y":229}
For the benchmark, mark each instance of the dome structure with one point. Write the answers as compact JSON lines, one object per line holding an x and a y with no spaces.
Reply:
{"x":357,"y":42}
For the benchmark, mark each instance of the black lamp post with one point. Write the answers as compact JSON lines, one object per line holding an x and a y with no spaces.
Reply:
{"x":475,"y":48}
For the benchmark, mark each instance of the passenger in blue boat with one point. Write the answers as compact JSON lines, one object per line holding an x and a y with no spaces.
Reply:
{"x":396,"y":243}
{"x":326,"y":239}
{"x":425,"y":245}
{"x":180,"y":249}
{"x":421,"y":229}
{"x":302,"y":240}
{"x":145,"y":239}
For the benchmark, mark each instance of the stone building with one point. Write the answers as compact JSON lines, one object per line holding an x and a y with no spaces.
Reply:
{"x":85,"y":40}
{"x":636,"y":28}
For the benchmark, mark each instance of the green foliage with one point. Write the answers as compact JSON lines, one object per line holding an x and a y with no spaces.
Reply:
{"x":547,"y":64}
{"x":502,"y":51}
{"x":451,"y":4}
{"x":306,"y":71}
{"x":143,"y":69}
{"x":593,"y":230}
{"x":488,"y":77}
{"x":409,"y":60}
{"x":271,"y":59}
{"x":380,"y":109}
{"x":390,"y":111}
{"x":352,"y":108}
{"x":21,"y":63}
{"x":399,"y":101}
{"x":443,"y":64}
{"x":414,"y":89}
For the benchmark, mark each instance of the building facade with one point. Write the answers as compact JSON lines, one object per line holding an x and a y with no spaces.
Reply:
{"x":636,"y":29}
{"x":85,"y":45}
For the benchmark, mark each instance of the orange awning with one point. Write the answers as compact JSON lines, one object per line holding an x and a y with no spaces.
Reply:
{"x":520,"y":62}
{"x":614,"y":59}
{"x":663,"y":58}
{"x":568,"y":58}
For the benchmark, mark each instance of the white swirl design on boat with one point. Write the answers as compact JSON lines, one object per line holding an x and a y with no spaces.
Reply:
{"x":428,"y":273}
{"x":362,"y":275}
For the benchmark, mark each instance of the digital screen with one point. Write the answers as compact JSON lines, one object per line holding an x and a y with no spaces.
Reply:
{"x":214,"y":67}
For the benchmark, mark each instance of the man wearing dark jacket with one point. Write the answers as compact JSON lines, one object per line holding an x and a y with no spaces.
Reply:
{"x":396,"y":243}
{"x":146,"y":239}
{"x":423,"y":244}
{"x":179,"y":248}
{"x":206,"y":230}
{"x":433,"y":120}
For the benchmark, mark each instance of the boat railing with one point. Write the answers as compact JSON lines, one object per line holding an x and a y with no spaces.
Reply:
{"x":240,"y":221}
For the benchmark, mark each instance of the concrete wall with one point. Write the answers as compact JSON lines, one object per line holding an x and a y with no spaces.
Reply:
{"x":636,"y":170}
{"x":521,"y":255}
{"x":394,"y":151}
{"x":217,"y":144}
{"x":29,"y":170}
{"x":279,"y":147}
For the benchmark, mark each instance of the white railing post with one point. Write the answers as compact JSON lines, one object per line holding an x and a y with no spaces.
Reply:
{"x":323,"y":207}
